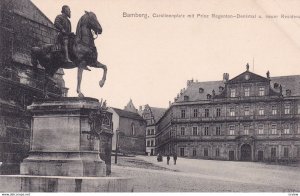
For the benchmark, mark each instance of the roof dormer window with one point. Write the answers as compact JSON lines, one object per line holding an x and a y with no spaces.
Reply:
{"x":276,"y":85}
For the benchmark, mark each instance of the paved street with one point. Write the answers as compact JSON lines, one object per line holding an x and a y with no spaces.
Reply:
{"x":207,"y":176}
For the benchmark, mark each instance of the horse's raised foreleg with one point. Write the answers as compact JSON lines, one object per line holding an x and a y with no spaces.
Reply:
{"x":100,"y":65}
{"x":79,"y":77}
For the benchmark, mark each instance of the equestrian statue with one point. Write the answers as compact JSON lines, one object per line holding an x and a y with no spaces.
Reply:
{"x":70,"y":50}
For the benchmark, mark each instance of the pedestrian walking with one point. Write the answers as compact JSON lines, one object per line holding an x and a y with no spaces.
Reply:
{"x":175,"y":158}
{"x":159,"y":158}
{"x":168,"y":159}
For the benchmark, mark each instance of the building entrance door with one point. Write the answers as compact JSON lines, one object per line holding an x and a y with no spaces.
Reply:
{"x":231,"y":155}
{"x":151,"y":152}
{"x":246,"y":152}
{"x":260,"y":155}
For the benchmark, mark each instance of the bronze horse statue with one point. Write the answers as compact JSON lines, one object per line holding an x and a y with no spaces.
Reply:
{"x":82,"y":50}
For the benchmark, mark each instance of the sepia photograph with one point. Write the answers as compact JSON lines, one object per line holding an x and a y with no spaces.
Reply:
{"x":142,"y":96}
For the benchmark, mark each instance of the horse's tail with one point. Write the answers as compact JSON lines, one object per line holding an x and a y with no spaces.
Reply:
{"x":34,"y":56}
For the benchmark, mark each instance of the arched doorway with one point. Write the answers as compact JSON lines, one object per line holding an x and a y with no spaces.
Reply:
{"x":246,"y":152}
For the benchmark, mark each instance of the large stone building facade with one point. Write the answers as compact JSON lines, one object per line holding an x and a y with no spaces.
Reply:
{"x":22,"y":26}
{"x":129,"y":130}
{"x":248,"y":117}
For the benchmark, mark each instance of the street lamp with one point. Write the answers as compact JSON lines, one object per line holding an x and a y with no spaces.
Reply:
{"x":117,"y":146}
{"x":118,"y":134}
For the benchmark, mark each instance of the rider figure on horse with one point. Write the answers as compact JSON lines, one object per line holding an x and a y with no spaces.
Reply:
{"x":63,"y":24}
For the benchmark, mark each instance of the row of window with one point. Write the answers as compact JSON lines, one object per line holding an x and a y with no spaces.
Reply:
{"x":285,"y":152}
{"x":232,"y":111}
{"x":150,"y":132}
{"x":150,"y":143}
{"x":217,"y":152}
{"x":232,"y":130}
{"x":205,"y":152}
{"x":261,"y":92}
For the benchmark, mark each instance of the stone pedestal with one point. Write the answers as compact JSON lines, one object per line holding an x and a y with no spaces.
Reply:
{"x":62,"y":143}
{"x":67,"y":138}
{"x":25,"y":183}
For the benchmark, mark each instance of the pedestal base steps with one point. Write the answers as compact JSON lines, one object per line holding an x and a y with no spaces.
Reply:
{"x":24,"y":183}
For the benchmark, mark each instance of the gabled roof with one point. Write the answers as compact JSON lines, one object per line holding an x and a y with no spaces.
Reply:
{"x":288,"y":82}
{"x":130,"y":107}
{"x":157,"y":113}
{"x":252,"y":77}
{"x":193,"y":93}
{"x":127,"y":114}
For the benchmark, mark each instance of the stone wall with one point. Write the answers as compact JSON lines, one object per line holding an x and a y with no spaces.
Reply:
{"x":132,"y":144}
{"x":197,"y":150}
{"x":22,"y":26}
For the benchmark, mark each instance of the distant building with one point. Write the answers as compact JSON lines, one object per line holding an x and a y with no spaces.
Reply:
{"x":151,"y":115}
{"x":248,"y":117}
{"x":130,"y":107}
{"x":22,"y":26}
{"x":129,"y":127}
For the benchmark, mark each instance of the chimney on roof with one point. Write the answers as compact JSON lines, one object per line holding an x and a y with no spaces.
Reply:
{"x":170,"y":103}
{"x":186,"y":98}
{"x":225,"y":77}
{"x":268,"y":74}
{"x":208,"y":96}
{"x":182,"y":91}
{"x":140,"y":108}
{"x":280,"y":89}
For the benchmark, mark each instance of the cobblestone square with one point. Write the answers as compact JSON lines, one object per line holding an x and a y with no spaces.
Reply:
{"x":191,"y":175}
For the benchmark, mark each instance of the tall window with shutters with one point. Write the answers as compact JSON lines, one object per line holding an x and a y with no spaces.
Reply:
{"x":182,"y":113}
{"x":195,"y":130}
{"x":231,"y":130}
{"x":260,"y":129}
{"x":195,"y":113}
{"x":232,"y":92}
{"x":247,"y":91}
{"x":218,"y":112}
{"x":261,"y":91}
{"x":287,"y":109}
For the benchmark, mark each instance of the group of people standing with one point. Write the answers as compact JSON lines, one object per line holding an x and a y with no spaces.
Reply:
{"x":159,"y":158}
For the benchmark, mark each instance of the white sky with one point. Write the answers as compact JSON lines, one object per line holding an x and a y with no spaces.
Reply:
{"x":150,"y":60}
